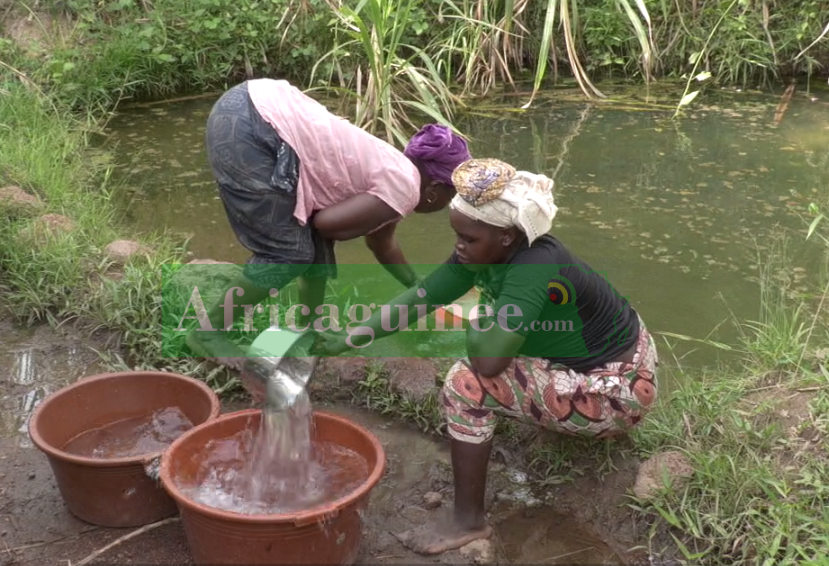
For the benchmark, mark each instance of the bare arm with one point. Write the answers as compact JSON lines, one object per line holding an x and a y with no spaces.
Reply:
{"x":354,"y":217}
{"x":405,"y":309}
{"x":386,"y":250}
{"x":490,"y":347}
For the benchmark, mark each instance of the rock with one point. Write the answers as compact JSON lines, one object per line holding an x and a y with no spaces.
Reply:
{"x":56,"y":222}
{"x":120,"y":251}
{"x":432,"y":499}
{"x":46,"y":226}
{"x":674,"y":465}
{"x":414,"y":378}
{"x":478,"y":552}
{"x":17,"y":201}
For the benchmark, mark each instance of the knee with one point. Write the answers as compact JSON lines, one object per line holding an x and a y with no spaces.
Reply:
{"x":448,"y":381}
{"x":461,"y":384}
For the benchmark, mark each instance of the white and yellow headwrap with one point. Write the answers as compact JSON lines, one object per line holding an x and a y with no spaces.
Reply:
{"x":493,"y":192}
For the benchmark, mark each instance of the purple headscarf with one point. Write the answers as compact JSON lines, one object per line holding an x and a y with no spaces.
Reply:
{"x":438,"y":151}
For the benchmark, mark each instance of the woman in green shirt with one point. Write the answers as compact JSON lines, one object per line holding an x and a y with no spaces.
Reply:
{"x":557,"y":345}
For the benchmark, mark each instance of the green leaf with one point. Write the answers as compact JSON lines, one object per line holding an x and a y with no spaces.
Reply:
{"x":688,"y":98}
{"x":814,"y":225}
{"x":544,"y":50}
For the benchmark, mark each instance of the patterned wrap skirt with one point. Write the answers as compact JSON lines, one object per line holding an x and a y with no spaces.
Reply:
{"x":604,"y":402}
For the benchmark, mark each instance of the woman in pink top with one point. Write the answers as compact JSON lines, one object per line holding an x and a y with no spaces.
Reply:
{"x":294,"y":178}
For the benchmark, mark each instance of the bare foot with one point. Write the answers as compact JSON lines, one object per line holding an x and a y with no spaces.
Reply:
{"x":441,"y":536}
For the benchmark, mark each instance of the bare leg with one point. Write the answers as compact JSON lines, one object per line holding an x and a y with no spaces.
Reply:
{"x":468,"y":520}
{"x":215,"y":345}
{"x":312,"y":294}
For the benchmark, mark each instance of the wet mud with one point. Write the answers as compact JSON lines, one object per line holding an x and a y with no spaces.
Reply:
{"x":580,"y":523}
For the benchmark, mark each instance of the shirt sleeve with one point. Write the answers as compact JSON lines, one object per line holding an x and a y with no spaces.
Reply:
{"x":383,"y":225}
{"x":397,"y":183}
{"x":523,"y":297}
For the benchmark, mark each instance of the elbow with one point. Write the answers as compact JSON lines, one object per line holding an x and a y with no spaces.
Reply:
{"x":490,"y":367}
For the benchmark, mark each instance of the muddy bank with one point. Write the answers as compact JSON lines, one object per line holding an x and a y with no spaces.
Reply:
{"x":38,"y":530}
{"x":584,"y":522}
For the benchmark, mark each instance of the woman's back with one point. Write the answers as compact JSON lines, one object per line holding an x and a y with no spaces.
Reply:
{"x":337,"y":159}
{"x":582,"y":320}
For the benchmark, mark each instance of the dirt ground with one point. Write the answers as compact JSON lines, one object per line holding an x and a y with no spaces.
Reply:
{"x":579,"y":523}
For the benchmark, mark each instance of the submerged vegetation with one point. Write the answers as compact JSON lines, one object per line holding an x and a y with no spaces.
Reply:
{"x":756,"y":437}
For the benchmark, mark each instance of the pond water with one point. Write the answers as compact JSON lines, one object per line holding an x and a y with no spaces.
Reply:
{"x":675,"y":213}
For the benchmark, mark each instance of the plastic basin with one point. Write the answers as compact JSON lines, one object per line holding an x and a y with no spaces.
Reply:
{"x":327,"y":534}
{"x":114,"y":492}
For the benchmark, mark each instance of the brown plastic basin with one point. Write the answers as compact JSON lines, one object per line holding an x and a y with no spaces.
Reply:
{"x":327,"y":534}
{"x":114,"y":492}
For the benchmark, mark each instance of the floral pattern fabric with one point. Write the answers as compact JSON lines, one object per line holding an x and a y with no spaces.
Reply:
{"x":603,"y":402}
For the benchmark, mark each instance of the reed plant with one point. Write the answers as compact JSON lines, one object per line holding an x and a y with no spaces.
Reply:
{"x":490,"y":40}
{"x":393,"y":81}
{"x":397,"y":63}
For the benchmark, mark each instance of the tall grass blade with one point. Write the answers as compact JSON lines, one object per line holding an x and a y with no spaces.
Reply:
{"x":544,"y":50}
{"x":645,"y":38}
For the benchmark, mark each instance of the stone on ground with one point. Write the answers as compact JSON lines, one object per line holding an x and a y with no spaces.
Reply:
{"x":673,"y":465}
{"x":478,"y":552}
{"x":432,"y":499}
{"x":17,"y":201}
{"x":120,"y":251}
{"x":46,"y":226}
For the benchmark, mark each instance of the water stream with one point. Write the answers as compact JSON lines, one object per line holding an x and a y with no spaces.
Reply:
{"x":674,"y":213}
{"x":276,"y":467}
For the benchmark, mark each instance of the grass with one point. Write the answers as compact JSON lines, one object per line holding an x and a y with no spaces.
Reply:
{"x":758,"y":493}
{"x":63,"y":278}
{"x":376,"y":394}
